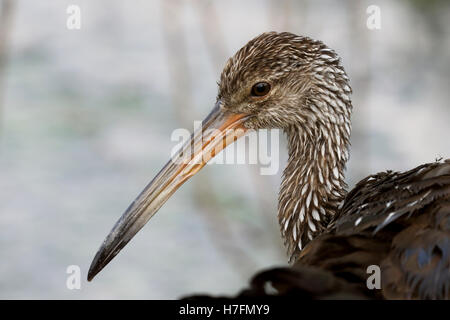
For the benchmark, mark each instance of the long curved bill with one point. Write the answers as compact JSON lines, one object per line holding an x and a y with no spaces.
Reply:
{"x":218,"y":130}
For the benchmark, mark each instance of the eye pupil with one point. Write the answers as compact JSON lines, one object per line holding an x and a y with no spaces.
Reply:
{"x":260,"y":89}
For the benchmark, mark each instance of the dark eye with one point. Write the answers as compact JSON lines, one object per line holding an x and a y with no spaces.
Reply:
{"x":260,"y":89}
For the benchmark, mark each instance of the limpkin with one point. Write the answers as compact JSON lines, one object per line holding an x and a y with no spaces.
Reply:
{"x":397,"y":221}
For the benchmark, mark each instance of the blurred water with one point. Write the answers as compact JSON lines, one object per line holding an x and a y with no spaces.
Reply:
{"x":87,"y":118}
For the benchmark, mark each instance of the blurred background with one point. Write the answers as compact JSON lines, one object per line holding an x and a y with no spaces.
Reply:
{"x":86,"y":117}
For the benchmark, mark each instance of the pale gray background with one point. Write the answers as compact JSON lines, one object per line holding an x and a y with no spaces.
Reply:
{"x":86,"y":118}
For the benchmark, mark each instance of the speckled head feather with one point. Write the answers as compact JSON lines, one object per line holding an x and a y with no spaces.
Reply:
{"x":310,"y":100}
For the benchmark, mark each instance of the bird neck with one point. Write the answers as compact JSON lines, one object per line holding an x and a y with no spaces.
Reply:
{"x":313,"y":182}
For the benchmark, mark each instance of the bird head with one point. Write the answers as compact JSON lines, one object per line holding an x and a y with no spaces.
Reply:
{"x":277,"y":80}
{"x":281,"y":80}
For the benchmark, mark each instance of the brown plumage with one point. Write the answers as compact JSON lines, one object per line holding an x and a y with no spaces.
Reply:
{"x":398,"y":221}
